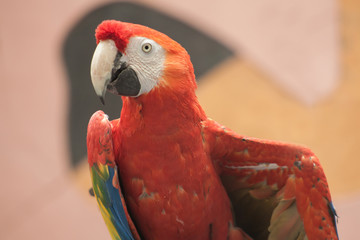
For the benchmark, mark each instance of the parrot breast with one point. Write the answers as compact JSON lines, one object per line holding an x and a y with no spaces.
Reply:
{"x":169,"y":181}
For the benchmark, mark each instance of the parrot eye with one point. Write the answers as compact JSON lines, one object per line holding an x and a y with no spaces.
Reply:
{"x":146,"y":47}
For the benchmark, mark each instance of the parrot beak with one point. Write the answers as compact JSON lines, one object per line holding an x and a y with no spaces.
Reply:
{"x":109,"y":72}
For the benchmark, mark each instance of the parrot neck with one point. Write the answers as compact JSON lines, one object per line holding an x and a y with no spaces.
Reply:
{"x":161,"y":112}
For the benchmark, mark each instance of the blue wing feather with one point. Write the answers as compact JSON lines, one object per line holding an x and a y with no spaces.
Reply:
{"x":109,"y":199}
{"x":334,"y":215}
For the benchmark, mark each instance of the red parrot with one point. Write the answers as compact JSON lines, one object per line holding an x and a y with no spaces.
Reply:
{"x":163,"y":170}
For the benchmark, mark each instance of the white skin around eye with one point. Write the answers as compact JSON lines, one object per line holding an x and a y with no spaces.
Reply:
{"x":148,"y":64}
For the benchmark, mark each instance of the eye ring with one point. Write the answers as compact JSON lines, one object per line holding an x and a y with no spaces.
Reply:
{"x":146,"y":47}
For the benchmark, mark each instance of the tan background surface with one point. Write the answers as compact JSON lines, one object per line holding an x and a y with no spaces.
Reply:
{"x":43,"y":198}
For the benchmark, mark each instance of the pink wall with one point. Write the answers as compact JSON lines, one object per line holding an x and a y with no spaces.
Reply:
{"x":39,"y":199}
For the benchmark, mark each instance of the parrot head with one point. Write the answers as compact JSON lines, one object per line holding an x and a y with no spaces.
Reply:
{"x":134,"y":60}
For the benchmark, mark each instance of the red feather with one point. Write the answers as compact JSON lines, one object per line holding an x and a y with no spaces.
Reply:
{"x":182,"y":173}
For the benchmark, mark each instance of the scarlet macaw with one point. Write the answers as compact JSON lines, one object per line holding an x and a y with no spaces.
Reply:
{"x":166,"y":171}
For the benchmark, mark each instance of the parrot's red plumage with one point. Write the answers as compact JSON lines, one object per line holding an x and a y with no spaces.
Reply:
{"x":183,"y":176}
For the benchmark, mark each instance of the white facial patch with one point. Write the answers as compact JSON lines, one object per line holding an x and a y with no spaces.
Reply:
{"x":146,"y":58}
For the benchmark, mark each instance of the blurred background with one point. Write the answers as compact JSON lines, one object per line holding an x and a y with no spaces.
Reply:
{"x":275,"y":69}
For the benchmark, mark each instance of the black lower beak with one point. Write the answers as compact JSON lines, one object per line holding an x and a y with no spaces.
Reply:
{"x":124,"y":80}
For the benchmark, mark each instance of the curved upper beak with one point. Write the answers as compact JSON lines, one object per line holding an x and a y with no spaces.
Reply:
{"x":109,"y":72}
{"x":102,"y":64}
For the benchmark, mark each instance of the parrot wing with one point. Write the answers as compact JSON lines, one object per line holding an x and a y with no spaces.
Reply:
{"x":104,"y":175}
{"x":278,"y":190}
